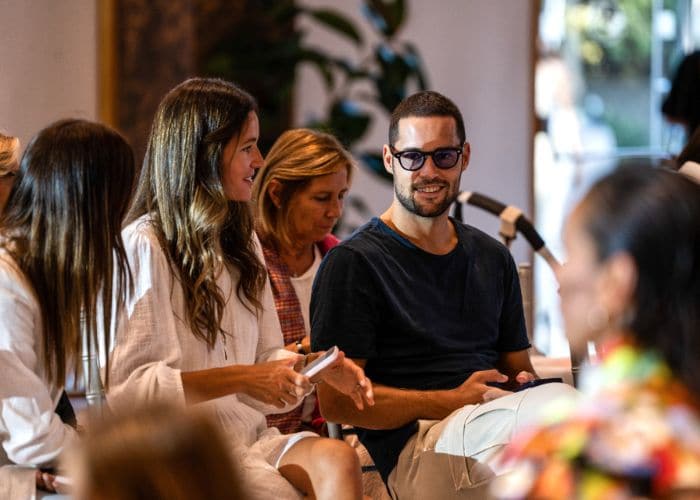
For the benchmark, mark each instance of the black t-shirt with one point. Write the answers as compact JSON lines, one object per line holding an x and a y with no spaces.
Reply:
{"x":422,"y":321}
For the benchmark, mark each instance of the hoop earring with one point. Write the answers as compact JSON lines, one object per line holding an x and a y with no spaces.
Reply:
{"x":598,"y":318}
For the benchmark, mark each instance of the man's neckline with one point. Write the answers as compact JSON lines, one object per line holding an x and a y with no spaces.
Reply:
{"x":389,"y":224}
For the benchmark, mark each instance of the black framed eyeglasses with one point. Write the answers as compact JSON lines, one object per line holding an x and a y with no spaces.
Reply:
{"x":414,"y":159}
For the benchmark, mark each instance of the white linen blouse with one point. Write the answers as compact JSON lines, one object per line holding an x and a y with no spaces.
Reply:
{"x":154,"y":345}
{"x":31,"y":432}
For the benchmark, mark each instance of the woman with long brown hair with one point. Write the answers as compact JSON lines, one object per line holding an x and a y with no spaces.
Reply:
{"x":60,"y":246}
{"x":200,"y":326}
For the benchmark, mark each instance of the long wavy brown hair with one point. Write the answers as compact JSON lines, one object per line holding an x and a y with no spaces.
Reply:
{"x":181,"y":190}
{"x":62,"y":226}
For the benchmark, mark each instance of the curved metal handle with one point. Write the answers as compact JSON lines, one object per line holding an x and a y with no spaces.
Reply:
{"x":521,"y":223}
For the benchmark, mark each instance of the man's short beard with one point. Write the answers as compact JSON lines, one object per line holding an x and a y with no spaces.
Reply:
{"x":409,"y":204}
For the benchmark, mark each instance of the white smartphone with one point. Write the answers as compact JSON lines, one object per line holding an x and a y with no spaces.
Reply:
{"x":63,"y":480}
{"x":321,"y":362}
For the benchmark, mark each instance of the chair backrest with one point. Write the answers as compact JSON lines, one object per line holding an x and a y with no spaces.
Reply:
{"x":514,"y":221}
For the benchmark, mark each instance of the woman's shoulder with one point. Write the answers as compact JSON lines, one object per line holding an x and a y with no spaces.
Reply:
{"x":11,"y":276}
{"x":140,"y":236}
{"x":142,"y":245}
{"x":140,"y":229}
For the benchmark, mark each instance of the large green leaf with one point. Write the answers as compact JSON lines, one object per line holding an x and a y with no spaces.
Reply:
{"x":323,"y":64}
{"x":415,"y":62}
{"x":374,"y":162}
{"x":347,"y":121}
{"x":337,"y":22}
{"x":350,"y":70}
{"x":387,"y":16}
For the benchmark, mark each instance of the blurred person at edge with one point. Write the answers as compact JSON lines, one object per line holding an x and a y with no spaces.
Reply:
{"x":631,"y":284}
{"x":688,"y":160}
{"x":159,"y":453}
{"x":9,"y":164}
{"x":682,"y":104}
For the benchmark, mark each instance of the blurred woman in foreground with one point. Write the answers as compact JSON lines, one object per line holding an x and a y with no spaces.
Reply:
{"x":159,"y":453}
{"x":631,"y":284}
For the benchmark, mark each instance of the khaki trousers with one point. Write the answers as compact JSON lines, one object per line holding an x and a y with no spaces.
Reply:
{"x":457,"y":457}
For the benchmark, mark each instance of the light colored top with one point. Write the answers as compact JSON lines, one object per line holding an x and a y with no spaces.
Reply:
{"x":303,"y":285}
{"x":154,"y":343}
{"x":30,"y":430}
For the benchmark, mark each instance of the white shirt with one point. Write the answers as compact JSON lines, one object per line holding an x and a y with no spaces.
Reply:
{"x":302,"y":287}
{"x":154,"y":342}
{"x":30,"y":430}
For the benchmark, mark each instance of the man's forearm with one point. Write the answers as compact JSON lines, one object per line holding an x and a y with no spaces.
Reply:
{"x":393,"y":407}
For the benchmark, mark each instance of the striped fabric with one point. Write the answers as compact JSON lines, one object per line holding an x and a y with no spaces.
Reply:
{"x":290,"y":317}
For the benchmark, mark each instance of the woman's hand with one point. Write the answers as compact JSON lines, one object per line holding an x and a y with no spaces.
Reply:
{"x":49,"y":481}
{"x":304,"y":344}
{"x":348,"y":378}
{"x":45,"y":481}
{"x":276,"y":382}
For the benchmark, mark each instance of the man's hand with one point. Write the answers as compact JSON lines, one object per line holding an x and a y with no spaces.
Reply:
{"x":524,"y":377}
{"x":495,"y":392}
{"x":476,"y":389}
{"x":349,"y":379}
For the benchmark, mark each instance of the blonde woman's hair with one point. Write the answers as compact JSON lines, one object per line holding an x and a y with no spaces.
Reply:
{"x":295,"y":159}
{"x":9,"y":154}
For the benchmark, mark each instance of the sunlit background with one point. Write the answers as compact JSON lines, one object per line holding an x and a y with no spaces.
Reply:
{"x":602,"y":70}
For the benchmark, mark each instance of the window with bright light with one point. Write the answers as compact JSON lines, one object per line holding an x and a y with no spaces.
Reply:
{"x":602,"y":72}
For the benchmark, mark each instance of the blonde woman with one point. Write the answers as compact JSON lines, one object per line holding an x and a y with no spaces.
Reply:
{"x":299,"y":194}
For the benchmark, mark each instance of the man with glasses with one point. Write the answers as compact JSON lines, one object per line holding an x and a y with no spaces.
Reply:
{"x":431,"y":308}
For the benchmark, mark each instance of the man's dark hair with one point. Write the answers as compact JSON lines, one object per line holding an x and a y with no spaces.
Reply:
{"x":423,"y":104}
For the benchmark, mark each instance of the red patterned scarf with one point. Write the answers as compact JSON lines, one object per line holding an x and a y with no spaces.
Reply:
{"x":290,"y":317}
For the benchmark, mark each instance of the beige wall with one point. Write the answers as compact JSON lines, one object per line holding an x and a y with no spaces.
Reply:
{"x":477,"y":52}
{"x":48,"y":63}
